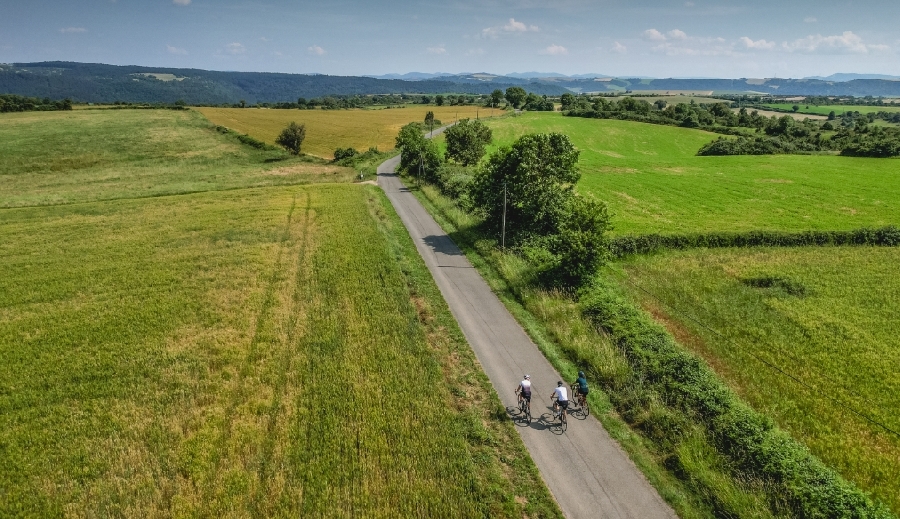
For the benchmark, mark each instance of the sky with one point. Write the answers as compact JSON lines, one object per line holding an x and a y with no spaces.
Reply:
{"x":657,"y":38}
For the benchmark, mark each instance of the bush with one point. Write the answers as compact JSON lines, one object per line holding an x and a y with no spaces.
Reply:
{"x":291,"y":138}
{"x":344,"y":153}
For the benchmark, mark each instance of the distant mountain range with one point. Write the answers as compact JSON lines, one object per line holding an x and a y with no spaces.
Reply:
{"x":851,"y":77}
{"x":97,"y":83}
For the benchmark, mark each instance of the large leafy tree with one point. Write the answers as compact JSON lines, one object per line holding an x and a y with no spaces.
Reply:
{"x":416,"y":152}
{"x":466,"y":141}
{"x":516,"y":96}
{"x":291,"y":138}
{"x":538,"y":172}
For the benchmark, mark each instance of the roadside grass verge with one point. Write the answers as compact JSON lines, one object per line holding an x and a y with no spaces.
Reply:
{"x":653,"y":182}
{"x":828,"y":317}
{"x":329,"y":129}
{"x":261,"y":352}
{"x":49,"y":158}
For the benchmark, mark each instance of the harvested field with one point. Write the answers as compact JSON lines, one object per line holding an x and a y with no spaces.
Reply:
{"x":327,"y":130}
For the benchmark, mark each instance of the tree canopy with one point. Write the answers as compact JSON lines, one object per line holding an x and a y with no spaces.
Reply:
{"x":466,"y":141}
{"x":515,"y":96}
{"x":291,"y":138}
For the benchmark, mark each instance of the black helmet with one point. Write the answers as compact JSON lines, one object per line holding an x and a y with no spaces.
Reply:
{"x":559,"y":384}
{"x":581,"y":374}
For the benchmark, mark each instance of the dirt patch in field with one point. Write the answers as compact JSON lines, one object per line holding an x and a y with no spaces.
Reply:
{"x":613,"y":169}
{"x":775,"y":181}
{"x":851,"y":211}
{"x":797,"y":116}
{"x":610,"y":154}
{"x":305,"y":169}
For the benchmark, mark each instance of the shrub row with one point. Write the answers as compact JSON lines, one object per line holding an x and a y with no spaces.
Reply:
{"x":246,"y":139}
{"x":798,"y":482}
{"x":649,"y":243}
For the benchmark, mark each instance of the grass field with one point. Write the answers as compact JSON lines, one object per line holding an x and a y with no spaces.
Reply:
{"x":268,"y":351}
{"x":829,"y":319}
{"x":653,"y":180}
{"x":330,"y":129}
{"x":64,"y":157}
{"x":838,"y":109}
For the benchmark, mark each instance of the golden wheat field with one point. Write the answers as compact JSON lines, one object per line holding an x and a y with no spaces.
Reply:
{"x":330,"y":129}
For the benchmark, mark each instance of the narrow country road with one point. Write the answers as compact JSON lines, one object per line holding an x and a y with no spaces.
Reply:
{"x":587,"y":471}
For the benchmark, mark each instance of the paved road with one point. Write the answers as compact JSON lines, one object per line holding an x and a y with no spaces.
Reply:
{"x":587,"y":471}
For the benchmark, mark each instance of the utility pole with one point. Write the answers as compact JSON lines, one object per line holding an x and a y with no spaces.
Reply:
{"x":503,"y":232}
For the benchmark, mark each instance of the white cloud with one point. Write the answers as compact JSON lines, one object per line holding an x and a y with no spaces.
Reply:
{"x":263,"y":38}
{"x":554,"y":50}
{"x":689,"y":4}
{"x":176,"y":50}
{"x":235,"y":49}
{"x":511,"y":27}
{"x":73,"y":30}
{"x":436,"y":50}
{"x":675,"y":34}
{"x":810,"y":19}
{"x":846,"y":43}
{"x":619,"y":48}
{"x":181,"y":2}
{"x":758,"y":44}
{"x":315,"y":49}
{"x":475,"y":52}
{"x":654,"y":35}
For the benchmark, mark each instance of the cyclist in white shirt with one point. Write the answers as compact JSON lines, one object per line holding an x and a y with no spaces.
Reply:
{"x":562,"y":396}
{"x":524,"y":389}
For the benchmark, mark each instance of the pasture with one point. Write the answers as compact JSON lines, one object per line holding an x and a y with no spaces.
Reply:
{"x":827,"y":317}
{"x":838,"y":109}
{"x":243,"y":351}
{"x":654,"y":182}
{"x":51,"y":158}
{"x":330,"y":129}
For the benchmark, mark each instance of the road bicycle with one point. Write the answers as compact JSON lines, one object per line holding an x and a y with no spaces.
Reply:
{"x":524,"y":407}
{"x":584,"y":408}
{"x":560,"y":414}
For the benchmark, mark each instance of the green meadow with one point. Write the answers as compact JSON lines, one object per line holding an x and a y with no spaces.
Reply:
{"x":51,"y":158}
{"x":827,"y":317}
{"x":837,"y":109}
{"x":245,"y":351}
{"x":653,"y":181}
{"x":805,"y":335}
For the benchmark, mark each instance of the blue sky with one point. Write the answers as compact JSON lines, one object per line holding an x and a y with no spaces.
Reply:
{"x":661,"y":38}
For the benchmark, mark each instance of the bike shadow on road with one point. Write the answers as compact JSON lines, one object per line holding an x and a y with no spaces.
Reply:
{"x":544,"y":422}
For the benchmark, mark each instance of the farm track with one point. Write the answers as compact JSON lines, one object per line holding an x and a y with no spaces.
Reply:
{"x":239,"y":391}
{"x":586,"y":470}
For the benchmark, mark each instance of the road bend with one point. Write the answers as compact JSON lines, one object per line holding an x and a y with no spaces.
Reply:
{"x":586,"y":470}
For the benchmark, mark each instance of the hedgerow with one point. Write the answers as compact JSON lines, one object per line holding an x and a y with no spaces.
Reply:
{"x":649,"y":243}
{"x":662,"y":372}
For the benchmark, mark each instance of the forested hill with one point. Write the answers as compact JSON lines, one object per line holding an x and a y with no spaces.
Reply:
{"x":97,"y":83}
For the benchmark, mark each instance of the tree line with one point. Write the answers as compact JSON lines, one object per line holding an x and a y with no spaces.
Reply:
{"x":15,"y":103}
{"x":756,"y":134}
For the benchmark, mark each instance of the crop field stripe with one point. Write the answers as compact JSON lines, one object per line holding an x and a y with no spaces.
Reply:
{"x":238,"y":391}
{"x":771,"y":365}
{"x":285,"y":365}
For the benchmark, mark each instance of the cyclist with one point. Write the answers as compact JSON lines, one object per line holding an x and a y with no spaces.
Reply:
{"x":562,"y":397}
{"x":524,"y":389}
{"x":581,"y":387}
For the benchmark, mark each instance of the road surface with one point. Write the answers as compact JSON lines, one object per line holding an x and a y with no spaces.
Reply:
{"x":587,"y":471}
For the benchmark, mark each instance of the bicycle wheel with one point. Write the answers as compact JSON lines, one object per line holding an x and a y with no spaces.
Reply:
{"x":585,"y":408}
{"x":528,"y":412}
{"x":563,"y":423}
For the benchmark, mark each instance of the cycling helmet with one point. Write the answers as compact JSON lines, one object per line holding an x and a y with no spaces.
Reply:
{"x":559,"y":384}
{"x":581,"y":374}
{"x":527,"y":376}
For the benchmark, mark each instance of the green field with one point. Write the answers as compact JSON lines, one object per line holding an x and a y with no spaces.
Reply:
{"x":837,"y":109}
{"x":63,"y":157}
{"x":653,"y":180}
{"x":831,"y":322}
{"x":274,"y":351}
